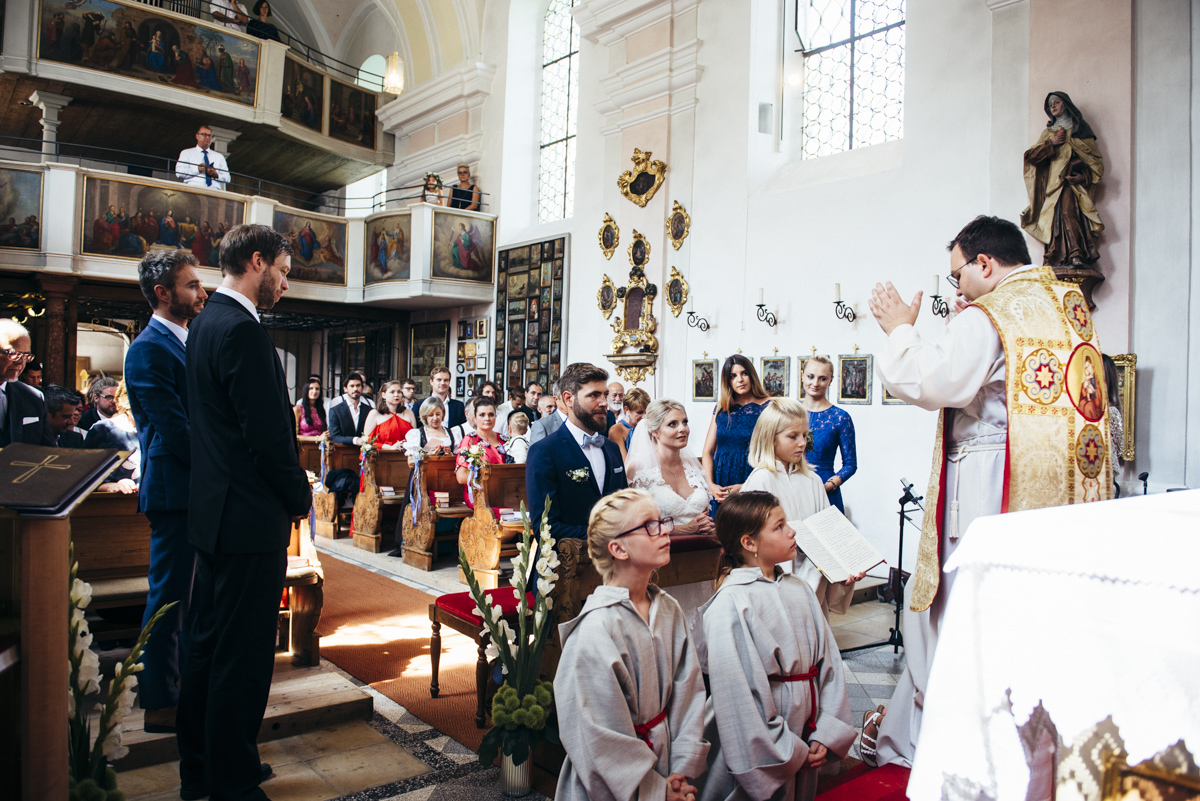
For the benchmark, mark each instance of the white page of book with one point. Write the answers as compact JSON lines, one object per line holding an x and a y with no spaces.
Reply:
{"x":840,"y":536}
{"x":815,"y":550}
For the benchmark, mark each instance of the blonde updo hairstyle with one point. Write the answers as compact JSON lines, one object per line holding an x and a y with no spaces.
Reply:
{"x":656,"y":414}
{"x":780,"y":414}
{"x":817,"y":360}
{"x":636,"y":400}
{"x":608,"y":518}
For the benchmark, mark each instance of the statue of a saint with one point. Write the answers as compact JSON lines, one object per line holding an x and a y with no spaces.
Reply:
{"x":1061,"y":173}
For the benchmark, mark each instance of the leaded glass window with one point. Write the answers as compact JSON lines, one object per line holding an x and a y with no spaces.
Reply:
{"x":560,"y":108}
{"x":853,"y":73}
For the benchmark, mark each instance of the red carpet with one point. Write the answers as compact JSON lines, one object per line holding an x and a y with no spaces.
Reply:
{"x":863,"y":784}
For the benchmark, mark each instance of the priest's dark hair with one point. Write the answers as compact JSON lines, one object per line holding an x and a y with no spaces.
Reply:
{"x":161,"y":268}
{"x":740,"y":514}
{"x":995,"y":237}
{"x":578,"y":374}
{"x":241,"y":242}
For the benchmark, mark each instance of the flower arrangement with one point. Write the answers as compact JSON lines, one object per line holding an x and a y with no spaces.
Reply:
{"x":579,"y":475}
{"x":367,"y":446}
{"x":522,"y":710}
{"x":91,"y":778}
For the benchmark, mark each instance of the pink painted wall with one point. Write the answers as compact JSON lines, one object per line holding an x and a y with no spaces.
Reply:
{"x":1085,"y":48}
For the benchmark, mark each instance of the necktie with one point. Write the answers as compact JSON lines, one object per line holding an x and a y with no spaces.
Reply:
{"x":593,"y":441}
{"x":207,"y":177}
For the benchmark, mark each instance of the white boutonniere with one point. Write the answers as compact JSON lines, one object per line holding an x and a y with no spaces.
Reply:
{"x":579,"y":475}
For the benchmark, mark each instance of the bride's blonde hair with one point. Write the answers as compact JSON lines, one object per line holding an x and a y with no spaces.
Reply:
{"x":657,"y":411}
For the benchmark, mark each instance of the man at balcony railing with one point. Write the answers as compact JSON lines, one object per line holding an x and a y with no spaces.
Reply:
{"x":230,"y":13}
{"x":201,"y":165}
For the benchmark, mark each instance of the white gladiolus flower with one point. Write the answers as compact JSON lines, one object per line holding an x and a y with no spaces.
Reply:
{"x":528,"y":612}
{"x":70,"y":703}
{"x":77,"y":618}
{"x":517,"y":595}
{"x":88,"y":679}
{"x":544,"y":587}
{"x":549,"y":603}
{"x":497,"y":613}
{"x":512,"y":648}
{"x":81,"y":593}
{"x":477,"y":612}
{"x":492,"y":651}
{"x":113,"y":749}
{"x":538,"y":617}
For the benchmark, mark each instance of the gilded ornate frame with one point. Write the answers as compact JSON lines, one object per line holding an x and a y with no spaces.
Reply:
{"x":676,"y":308}
{"x":629,"y":251}
{"x":606,"y":310}
{"x":678,"y":210}
{"x":1127,"y":384}
{"x":637,"y":365}
{"x":642,"y":165}
{"x":609,"y":222}
{"x":1118,"y":775}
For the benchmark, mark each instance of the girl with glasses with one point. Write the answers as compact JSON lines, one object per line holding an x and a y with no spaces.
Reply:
{"x":779,"y":709}
{"x":630,"y":695}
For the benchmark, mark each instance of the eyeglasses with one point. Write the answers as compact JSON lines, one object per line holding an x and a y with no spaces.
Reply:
{"x":17,"y":355}
{"x":952,"y":278}
{"x":108,"y":397}
{"x":653,"y":528}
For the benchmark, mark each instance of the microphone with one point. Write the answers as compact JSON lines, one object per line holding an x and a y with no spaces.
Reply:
{"x":908,"y":496}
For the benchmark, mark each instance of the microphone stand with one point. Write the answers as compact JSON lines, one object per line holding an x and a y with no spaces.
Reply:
{"x":896,"y":639}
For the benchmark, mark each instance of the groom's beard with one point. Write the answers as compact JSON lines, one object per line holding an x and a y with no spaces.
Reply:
{"x":594,"y":422}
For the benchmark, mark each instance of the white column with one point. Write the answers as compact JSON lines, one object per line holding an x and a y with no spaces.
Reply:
{"x":50,"y":104}
{"x":223,"y":138}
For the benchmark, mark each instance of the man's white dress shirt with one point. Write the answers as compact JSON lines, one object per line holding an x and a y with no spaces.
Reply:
{"x":247,"y":304}
{"x":190,"y":168}
{"x":178,"y":330}
{"x":594,"y":454}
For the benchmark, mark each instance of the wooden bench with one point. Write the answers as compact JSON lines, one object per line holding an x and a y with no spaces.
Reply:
{"x":112,"y":546}
{"x":483,"y":538}
{"x":380,"y":468}
{"x":436,"y":474}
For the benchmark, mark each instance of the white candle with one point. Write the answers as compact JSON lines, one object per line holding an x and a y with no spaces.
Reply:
{"x":761,"y":302}
{"x":936,"y":283}
{"x":837,"y":288}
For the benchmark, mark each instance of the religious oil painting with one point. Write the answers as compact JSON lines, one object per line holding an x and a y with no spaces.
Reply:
{"x":429,"y":344}
{"x":776,"y":375}
{"x":135,"y":41}
{"x":704,"y":379}
{"x":318,"y":245}
{"x":516,"y":339}
{"x":388,"y":240}
{"x":1085,"y":382}
{"x":609,"y":235}
{"x":891,"y":400}
{"x":20,"y":209}
{"x":854,"y":386}
{"x":518,"y":287}
{"x":352,"y":114}
{"x":303,"y":95}
{"x":463,"y":247}
{"x":129,"y":219}
{"x":481,"y":328}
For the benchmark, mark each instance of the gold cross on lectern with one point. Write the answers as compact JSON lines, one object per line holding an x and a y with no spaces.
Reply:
{"x":36,"y":466}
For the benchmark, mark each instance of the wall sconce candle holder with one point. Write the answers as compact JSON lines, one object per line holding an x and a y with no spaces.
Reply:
{"x":843,"y":311}
{"x":940,"y":307}
{"x":696,"y":321}
{"x":766,"y":316}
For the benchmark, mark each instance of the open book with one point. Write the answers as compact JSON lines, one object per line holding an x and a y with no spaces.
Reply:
{"x":834,"y":545}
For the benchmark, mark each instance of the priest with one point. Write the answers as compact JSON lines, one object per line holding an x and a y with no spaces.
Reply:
{"x":1007,"y":379}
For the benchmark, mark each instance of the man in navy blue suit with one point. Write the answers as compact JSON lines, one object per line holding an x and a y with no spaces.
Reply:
{"x":156,"y":380}
{"x":577,"y":464}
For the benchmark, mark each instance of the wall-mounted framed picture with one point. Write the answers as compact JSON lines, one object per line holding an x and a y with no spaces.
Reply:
{"x":388,"y":252}
{"x":469,"y":363}
{"x":303,"y":100}
{"x":776,"y":375}
{"x":531,"y":359}
{"x":854,"y":379}
{"x":516,"y":338}
{"x":481,"y":362}
{"x":318,"y":245}
{"x":518,"y":285}
{"x":481,"y":328}
{"x":678,"y":225}
{"x":428,"y":345}
{"x":1126,"y":364}
{"x":460,"y":386}
{"x":352,"y":114}
{"x":463,"y":246}
{"x":609,"y":235}
{"x":22,"y":196}
{"x":891,"y":400}
{"x":470,"y":350}
{"x":704,"y":380}
{"x":463,"y":327}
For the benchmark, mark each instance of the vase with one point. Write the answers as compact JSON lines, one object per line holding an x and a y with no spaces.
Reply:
{"x":514,"y":779}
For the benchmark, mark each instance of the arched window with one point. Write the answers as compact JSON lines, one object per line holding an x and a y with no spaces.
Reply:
{"x":560,"y":108}
{"x":370,"y":74}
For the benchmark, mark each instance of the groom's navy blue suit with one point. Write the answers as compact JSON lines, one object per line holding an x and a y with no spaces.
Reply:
{"x":547,"y":470}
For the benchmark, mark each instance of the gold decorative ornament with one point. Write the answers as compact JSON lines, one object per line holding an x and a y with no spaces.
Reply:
{"x":606,"y":297}
{"x":679,"y":224}
{"x":640,"y":183}
{"x":609,"y":235}
{"x":638,"y":251}
{"x":677,"y":292}
{"x":1127,"y":385}
{"x":635,"y":348}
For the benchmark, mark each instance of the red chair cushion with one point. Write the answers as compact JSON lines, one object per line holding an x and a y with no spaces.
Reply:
{"x":685,"y":543}
{"x":460,"y":604}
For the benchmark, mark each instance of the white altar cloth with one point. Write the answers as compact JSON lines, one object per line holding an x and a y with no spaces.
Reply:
{"x":1094,"y":610}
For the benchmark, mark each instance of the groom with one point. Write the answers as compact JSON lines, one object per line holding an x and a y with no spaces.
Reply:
{"x":577,"y":464}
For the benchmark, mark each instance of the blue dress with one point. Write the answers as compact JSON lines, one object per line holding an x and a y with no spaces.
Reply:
{"x":731,"y":460}
{"x":832,"y":429}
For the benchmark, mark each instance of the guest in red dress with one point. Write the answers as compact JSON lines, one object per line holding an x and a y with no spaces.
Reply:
{"x":486,"y":438}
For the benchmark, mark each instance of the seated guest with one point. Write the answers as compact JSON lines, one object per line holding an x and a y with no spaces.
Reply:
{"x":431,"y":436}
{"x":490,"y":443}
{"x":518,"y":442}
{"x":310,"y":411}
{"x":576,"y":465}
{"x":102,"y":400}
{"x":439,"y":385}
{"x":616,"y":398}
{"x":635,"y":404}
{"x":553,"y":415}
{"x":391,"y":422}
{"x":467,"y":427}
{"x":75,"y":418}
{"x":347,"y":418}
{"x":61,"y":404}
{"x":118,"y":432}
{"x":516,"y":399}
{"x":33,"y":375}
{"x":22,"y":408}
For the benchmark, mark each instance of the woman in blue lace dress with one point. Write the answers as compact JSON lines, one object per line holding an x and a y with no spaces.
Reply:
{"x":727,"y":445}
{"x":831,"y":429}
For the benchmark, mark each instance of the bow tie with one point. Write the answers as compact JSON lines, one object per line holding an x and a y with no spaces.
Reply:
{"x":593,"y":441}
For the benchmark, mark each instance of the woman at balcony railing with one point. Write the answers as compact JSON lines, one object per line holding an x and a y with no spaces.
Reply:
{"x":260,"y":27}
{"x":464,"y":194}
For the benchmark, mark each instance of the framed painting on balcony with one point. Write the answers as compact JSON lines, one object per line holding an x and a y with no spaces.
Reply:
{"x":463,"y":247}
{"x":20,"y":209}
{"x":303,"y":95}
{"x":387,"y":252}
{"x":135,"y":41}
{"x":318,"y":245}
{"x":127,"y":219}
{"x":351,"y":114}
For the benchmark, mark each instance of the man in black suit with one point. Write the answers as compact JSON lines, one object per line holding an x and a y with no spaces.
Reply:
{"x":102,"y":395}
{"x":247,"y":488}
{"x":346,"y":417}
{"x":22,"y":408}
{"x":577,"y":464}
{"x":439,"y":384}
{"x":61,"y":404}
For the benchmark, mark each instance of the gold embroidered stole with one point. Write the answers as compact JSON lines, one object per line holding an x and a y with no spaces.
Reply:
{"x":1058,"y":449}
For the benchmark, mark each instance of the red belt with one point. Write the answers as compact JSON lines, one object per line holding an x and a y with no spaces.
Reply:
{"x":643,"y":729}
{"x":810,"y":725}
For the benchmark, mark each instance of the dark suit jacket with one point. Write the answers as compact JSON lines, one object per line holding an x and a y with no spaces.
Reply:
{"x":247,"y":483}
{"x":70,"y":439}
{"x":156,"y":380}
{"x":546,"y":471}
{"x":456,"y":412}
{"x":341,"y":424}
{"x":26,"y":417}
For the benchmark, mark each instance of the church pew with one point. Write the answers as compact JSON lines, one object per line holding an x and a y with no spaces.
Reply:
{"x":337,"y":457}
{"x":483,"y":538}
{"x":380,"y":468}
{"x":420,"y":537}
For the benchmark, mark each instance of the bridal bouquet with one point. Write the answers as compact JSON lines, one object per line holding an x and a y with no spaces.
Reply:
{"x":522,"y":710}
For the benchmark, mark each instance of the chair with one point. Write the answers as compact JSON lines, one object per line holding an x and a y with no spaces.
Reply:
{"x":455,"y":611}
